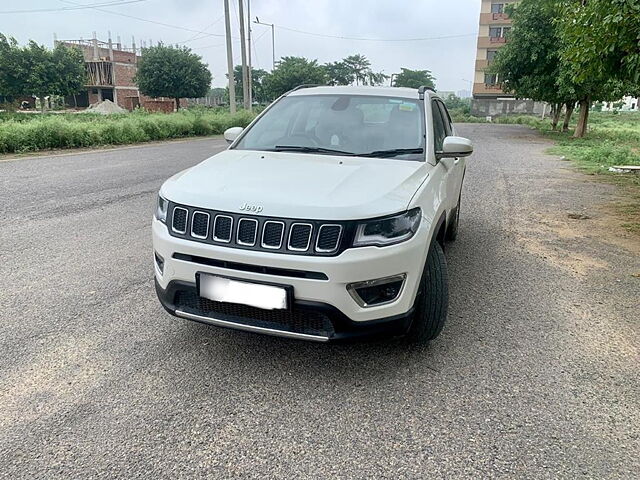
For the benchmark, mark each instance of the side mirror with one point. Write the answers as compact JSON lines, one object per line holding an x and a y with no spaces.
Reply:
{"x":455,"y":147}
{"x":230,"y":134}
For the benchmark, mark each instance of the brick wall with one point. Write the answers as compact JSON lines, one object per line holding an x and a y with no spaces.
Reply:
{"x":155,"y":105}
{"x":124,"y":75}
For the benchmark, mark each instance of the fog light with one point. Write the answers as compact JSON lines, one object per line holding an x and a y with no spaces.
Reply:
{"x":159,"y":262}
{"x":377,"y":292}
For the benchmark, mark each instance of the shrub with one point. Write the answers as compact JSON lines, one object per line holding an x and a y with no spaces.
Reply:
{"x":30,"y":132}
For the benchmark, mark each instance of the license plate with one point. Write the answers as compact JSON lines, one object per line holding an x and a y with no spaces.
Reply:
{"x":220,"y":289}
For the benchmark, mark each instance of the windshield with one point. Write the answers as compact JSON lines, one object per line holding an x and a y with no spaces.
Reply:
{"x":374,"y":126}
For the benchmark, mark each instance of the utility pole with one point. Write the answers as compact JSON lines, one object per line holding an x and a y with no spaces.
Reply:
{"x":232,"y":86}
{"x":273,"y":41}
{"x":249,"y":52}
{"x":243,"y":52}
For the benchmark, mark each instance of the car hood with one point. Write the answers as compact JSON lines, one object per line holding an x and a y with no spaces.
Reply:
{"x":294,"y":185}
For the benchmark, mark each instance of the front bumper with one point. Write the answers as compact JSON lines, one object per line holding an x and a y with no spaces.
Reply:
{"x":321,"y":303}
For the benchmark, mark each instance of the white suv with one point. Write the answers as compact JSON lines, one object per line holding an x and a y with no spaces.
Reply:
{"x":324,"y":220}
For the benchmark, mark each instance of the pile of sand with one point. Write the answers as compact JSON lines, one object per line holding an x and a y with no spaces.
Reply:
{"x":105,"y":107}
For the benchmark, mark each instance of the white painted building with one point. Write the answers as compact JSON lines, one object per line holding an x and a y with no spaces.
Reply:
{"x":629,"y":104}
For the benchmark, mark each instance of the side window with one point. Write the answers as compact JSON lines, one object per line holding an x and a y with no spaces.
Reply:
{"x":448,"y":128}
{"x":439,"y":132}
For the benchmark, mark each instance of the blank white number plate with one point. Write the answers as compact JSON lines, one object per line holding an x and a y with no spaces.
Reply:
{"x":221,"y":289}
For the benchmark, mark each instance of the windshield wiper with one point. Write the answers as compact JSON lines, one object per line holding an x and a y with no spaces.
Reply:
{"x":393,"y":152}
{"x":300,"y":148}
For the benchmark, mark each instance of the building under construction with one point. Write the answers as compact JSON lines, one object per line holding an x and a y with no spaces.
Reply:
{"x":111,"y":69}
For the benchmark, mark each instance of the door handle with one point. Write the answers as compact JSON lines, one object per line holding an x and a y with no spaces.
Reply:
{"x":456,"y":161}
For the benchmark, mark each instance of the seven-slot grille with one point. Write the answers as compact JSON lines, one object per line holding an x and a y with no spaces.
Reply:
{"x":257,"y":233}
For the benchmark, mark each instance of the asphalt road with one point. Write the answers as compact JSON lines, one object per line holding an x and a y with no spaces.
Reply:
{"x":536,"y":374}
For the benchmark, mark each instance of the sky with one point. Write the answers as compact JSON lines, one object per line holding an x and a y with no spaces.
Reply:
{"x":391,"y":29}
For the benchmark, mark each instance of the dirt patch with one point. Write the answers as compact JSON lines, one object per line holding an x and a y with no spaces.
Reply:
{"x":570,"y":240}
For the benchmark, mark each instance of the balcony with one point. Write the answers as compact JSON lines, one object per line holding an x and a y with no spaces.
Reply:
{"x":494,"y":19}
{"x":491,"y":42}
{"x":487,"y":89}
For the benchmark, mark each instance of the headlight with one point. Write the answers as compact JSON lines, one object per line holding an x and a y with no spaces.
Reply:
{"x":161,"y":209}
{"x":388,"y":231}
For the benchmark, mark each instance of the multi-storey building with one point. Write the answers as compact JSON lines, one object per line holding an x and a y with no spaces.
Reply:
{"x":488,"y":96}
{"x":110,"y":73}
{"x":495,"y":25}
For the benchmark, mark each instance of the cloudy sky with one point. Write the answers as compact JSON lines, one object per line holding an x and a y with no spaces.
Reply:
{"x":385,"y":24}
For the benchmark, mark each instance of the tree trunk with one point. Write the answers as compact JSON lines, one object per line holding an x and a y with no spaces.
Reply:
{"x":567,"y":118}
{"x":177,"y":104}
{"x":583,"y":119}
{"x":556,"y":110}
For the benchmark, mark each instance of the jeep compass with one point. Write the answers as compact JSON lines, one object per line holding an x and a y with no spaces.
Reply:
{"x":324,"y":220}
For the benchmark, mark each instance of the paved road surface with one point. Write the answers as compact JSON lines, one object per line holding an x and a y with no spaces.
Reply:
{"x":536,"y":374}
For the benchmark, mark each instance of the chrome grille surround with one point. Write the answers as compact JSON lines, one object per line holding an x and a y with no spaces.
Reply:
{"x":337,"y":241}
{"x":255,"y":232}
{"x":291,"y":233}
{"x":173,"y":219}
{"x":284,"y":235}
{"x":264,"y":232}
{"x":194,"y":222}
{"x":220,"y":239}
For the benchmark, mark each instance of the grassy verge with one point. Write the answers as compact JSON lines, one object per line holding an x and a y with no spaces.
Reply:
{"x":31,"y":132}
{"x":613,"y":139}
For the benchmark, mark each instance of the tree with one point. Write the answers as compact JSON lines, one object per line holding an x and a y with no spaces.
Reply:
{"x":359,"y":66}
{"x":12,"y":75}
{"x":353,"y":69}
{"x":529,"y":64}
{"x":453,"y":102}
{"x":257,"y":78}
{"x":414,"y":79}
{"x":175,"y":72}
{"x":599,"y":51}
{"x":602,"y":36}
{"x":339,"y":73}
{"x":291,"y":72}
{"x":68,"y":63}
{"x":36,"y":70}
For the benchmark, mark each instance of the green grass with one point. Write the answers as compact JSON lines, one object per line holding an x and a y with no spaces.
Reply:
{"x":33,"y":132}
{"x":612,"y":139}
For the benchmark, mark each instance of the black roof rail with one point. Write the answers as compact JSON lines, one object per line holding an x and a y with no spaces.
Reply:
{"x":423,"y":89}
{"x":304,"y":85}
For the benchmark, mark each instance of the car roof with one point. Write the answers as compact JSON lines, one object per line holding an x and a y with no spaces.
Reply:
{"x":358,"y":90}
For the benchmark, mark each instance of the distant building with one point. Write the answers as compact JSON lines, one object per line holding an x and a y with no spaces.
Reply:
{"x":488,"y":97}
{"x":464,"y":93}
{"x":495,"y":25}
{"x":111,"y":69}
{"x":627,"y":104}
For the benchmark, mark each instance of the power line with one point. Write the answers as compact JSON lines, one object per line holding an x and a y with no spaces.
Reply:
{"x":114,"y":3}
{"x":343,"y":37}
{"x":196,"y":37}
{"x":168,"y":25}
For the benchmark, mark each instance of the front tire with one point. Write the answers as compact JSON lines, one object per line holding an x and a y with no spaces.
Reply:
{"x":432,"y":300}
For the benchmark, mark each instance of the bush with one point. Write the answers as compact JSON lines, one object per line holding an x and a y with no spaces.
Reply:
{"x":31,"y":132}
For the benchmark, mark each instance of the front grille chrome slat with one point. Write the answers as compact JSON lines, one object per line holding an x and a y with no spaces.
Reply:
{"x":179,"y":220}
{"x":300,"y":237}
{"x":247,"y":232}
{"x":223,"y":228}
{"x":200,"y":224}
{"x":329,"y":236}
{"x":272,"y":234}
